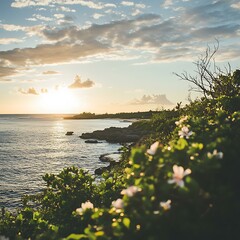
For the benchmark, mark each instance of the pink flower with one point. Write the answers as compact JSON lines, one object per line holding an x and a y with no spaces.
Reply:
{"x":184,"y":132}
{"x":130,"y":191}
{"x":166,"y":205}
{"x":178,"y":174}
{"x":153,"y":148}
{"x":84,"y":206}
{"x":183,"y":119}
{"x":118,"y":204}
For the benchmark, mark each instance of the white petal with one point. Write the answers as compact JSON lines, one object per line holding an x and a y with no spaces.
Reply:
{"x":153,"y":148}
{"x":180,"y":183}
{"x":187,"y":172}
{"x":170,"y":181}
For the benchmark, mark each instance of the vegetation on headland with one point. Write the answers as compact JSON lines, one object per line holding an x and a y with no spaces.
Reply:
{"x":123,"y":115}
{"x":181,"y":182}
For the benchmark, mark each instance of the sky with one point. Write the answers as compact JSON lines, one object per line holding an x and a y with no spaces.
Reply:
{"x":71,"y":56}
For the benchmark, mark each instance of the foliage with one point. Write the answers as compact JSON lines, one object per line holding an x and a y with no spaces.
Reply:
{"x":123,"y":115}
{"x":182,"y":183}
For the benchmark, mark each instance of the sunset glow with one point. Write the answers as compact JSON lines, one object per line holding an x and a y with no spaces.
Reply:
{"x":108,"y":56}
{"x":60,"y":101}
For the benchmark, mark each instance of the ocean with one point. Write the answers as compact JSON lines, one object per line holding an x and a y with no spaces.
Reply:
{"x":33,"y":145}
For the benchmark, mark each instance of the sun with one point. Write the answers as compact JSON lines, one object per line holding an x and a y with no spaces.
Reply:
{"x":60,"y":100}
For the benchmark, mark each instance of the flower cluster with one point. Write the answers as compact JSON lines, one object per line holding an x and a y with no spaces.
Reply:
{"x":216,"y":154}
{"x":185,"y":132}
{"x":84,"y":206}
{"x":183,"y":119}
{"x":130,"y":191}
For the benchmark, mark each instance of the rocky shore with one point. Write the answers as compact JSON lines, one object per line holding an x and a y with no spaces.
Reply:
{"x":116,"y":134}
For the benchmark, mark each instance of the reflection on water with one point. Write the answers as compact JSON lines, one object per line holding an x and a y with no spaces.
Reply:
{"x":31,"y":147}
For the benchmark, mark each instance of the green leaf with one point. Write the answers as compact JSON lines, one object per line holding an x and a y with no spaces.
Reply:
{"x":181,"y":144}
{"x":99,"y":233}
{"x":126,"y":222}
{"x":76,"y":236}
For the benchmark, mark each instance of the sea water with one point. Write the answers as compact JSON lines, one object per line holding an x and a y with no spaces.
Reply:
{"x":33,"y":145}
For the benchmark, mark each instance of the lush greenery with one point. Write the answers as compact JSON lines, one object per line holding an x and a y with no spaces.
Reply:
{"x":181,"y":182}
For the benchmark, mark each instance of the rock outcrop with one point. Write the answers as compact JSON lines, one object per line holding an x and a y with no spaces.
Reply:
{"x":115,"y":135}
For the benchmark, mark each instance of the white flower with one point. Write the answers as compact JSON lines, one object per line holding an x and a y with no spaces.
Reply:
{"x":130,"y":191}
{"x":216,"y":154}
{"x":184,"y":132}
{"x":153,"y":148}
{"x":118,"y":204}
{"x":84,"y":206}
{"x":178,"y":175}
{"x":183,"y":119}
{"x":166,"y":205}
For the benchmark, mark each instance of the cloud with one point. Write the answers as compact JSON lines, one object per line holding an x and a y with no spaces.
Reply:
{"x":12,"y":27}
{"x":159,"y":99}
{"x":167,"y":3}
{"x":9,"y":40}
{"x":29,"y":91}
{"x":65,"y":9}
{"x":84,"y":3}
{"x":44,"y":90}
{"x":78,"y":83}
{"x":58,"y":15}
{"x":236,"y":5}
{"x":31,"y":19}
{"x":127,"y":3}
{"x":29,"y":30}
{"x":140,"y":5}
{"x":97,"y":15}
{"x":50,"y":72}
{"x":6,"y":71}
{"x":43,"y":18}
{"x":161,"y":40}
{"x":110,"y":5}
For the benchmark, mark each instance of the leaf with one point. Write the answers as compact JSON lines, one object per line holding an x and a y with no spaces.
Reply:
{"x":76,"y":236}
{"x":181,"y":144}
{"x":99,"y":233}
{"x":126,"y":222}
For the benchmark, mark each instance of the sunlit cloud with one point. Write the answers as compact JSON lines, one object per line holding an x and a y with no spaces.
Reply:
{"x":97,"y":15}
{"x":12,"y":27}
{"x":43,"y":18}
{"x":140,"y":5}
{"x":78,"y":83}
{"x":149,"y":36}
{"x":31,"y":19}
{"x":65,"y":9}
{"x":159,"y":99}
{"x":167,"y":3}
{"x":110,"y":5}
{"x":6,"y":71}
{"x":10,"y":40}
{"x":236,"y":5}
{"x":29,"y":30}
{"x":58,"y":15}
{"x":127,"y":3}
{"x":50,"y":72}
{"x":84,"y":3}
{"x":44,"y":90}
{"x":31,"y":91}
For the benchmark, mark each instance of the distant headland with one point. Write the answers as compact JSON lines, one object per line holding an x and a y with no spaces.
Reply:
{"x":122,"y":115}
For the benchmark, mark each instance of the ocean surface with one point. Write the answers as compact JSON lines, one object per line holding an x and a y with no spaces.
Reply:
{"x":33,"y":145}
